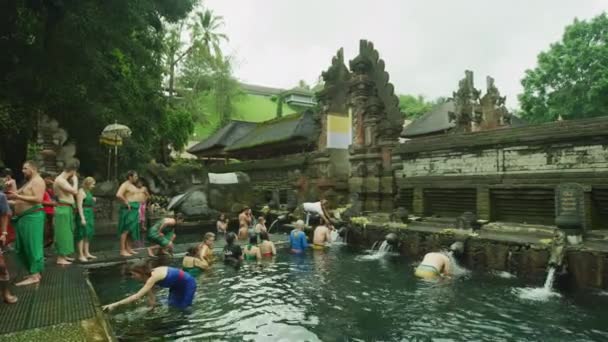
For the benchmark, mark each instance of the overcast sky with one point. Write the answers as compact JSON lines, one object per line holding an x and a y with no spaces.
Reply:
{"x":426,"y":45}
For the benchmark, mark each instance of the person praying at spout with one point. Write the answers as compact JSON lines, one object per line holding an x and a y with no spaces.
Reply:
{"x":436,"y":265}
{"x":321,"y":237}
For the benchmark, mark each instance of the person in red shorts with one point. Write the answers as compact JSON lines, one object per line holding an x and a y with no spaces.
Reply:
{"x":48,"y":201}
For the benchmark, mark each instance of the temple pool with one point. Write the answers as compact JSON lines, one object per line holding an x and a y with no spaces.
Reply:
{"x":341,"y":296}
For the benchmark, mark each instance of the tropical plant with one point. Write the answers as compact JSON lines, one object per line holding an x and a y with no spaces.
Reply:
{"x":571,"y":78}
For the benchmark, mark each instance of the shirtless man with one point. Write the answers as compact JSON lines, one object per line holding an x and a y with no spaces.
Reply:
{"x":435,"y":265}
{"x":322,"y":237}
{"x":29,"y":223}
{"x":65,"y":188}
{"x":128,"y":217}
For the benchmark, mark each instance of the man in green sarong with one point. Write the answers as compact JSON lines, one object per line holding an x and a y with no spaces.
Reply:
{"x":66,"y":188}
{"x":29,"y":223}
{"x":162,"y":234}
{"x":128,"y":215}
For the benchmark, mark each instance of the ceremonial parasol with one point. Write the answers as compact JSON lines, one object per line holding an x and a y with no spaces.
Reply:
{"x":112,"y":136}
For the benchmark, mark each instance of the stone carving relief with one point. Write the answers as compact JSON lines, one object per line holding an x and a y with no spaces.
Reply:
{"x":372,"y":99}
{"x":475,"y":113}
{"x":358,"y":169}
{"x":55,"y":150}
{"x":465,"y":101}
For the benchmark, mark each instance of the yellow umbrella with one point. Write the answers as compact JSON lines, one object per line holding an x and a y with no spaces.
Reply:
{"x":112,"y":136}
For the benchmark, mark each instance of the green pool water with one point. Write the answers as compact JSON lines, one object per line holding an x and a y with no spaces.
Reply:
{"x":341,"y":296}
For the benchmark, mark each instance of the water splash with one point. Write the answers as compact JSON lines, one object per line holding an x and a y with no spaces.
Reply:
{"x":336,"y":239}
{"x":503,"y":274}
{"x":375,"y":254}
{"x":457,"y":270}
{"x":540,"y":294}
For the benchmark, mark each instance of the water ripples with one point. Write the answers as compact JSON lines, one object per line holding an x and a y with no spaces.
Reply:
{"x":335,"y":296}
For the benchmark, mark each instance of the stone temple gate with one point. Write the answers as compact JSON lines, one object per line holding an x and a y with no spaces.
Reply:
{"x":359,"y":115}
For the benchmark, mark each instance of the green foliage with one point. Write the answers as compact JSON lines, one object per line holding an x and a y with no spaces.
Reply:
{"x":178,"y":125}
{"x":87,"y":64}
{"x":414,"y":106}
{"x":571,"y":78}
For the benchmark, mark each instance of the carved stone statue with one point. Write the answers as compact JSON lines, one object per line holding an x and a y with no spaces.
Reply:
{"x":492,"y":108}
{"x":464,"y":99}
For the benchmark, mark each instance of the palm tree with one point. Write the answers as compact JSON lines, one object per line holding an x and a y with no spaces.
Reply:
{"x":205,"y":29}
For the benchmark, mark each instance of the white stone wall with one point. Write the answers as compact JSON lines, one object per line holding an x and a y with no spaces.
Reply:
{"x":510,"y":160}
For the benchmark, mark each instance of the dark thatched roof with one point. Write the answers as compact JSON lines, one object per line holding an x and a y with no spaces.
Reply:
{"x":437,"y":120}
{"x":295,"y":127}
{"x":214,"y":145}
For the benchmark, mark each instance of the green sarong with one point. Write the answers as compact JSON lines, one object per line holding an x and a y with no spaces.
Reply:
{"x":193,"y":271}
{"x":87,"y":231}
{"x":128,"y":220}
{"x":155,"y":238}
{"x":29,"y":242}
{"x":64,"y":229}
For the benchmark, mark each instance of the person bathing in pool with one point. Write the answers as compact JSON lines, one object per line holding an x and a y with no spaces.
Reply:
{"x":252,"y":251}
{"x":181,"y":285}
{"x":435,"y":265}
{"x":321,"y":237}
{"x":192,"y":263}
{"x":267,"y":247}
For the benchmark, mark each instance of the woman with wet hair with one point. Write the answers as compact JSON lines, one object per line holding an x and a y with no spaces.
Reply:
{"x":206,"y":248}
{"x":233,"y":254}
{"x":222,"y":224}
{"x":252,"y":251}
{"x":181,"y":285}
{"x":193,"y":264}
{"x":267,"y":247}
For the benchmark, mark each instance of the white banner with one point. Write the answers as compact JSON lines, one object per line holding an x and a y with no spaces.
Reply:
{"x":223,"y":178}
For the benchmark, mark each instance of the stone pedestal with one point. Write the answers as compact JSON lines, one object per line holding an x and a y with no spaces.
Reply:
{"x":570,"y":211}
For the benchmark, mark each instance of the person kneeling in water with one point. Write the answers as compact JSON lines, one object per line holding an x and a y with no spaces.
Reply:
{"x":437,"y":264}
{"x":181,"y":285}
{"x":192,"y":263}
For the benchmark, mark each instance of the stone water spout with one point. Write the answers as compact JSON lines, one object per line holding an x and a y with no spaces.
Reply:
{"x":279,"y":219}
{"x":392,"y":239}
{"x":556,"y":257}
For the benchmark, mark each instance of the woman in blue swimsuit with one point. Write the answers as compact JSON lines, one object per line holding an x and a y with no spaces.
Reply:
{"x":181,"y":286}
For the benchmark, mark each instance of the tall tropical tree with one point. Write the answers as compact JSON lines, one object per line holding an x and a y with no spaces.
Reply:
{"x":206,"y":30}
{"x":571,"y":78}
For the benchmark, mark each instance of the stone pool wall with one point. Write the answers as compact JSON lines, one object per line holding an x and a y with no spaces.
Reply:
{"x":507,"y":174}
{"x":526,"y":258}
